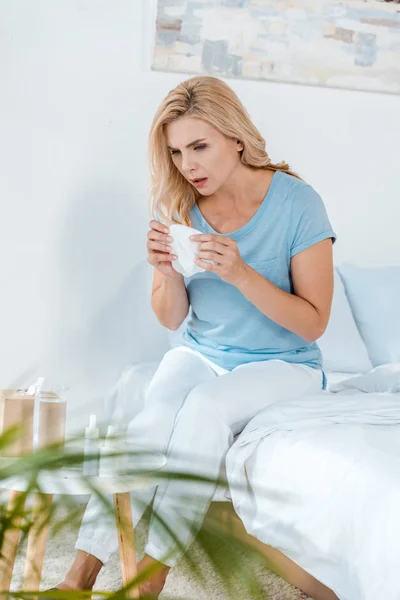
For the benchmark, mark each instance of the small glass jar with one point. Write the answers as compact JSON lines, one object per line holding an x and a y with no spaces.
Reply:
{"x":49,"y":415}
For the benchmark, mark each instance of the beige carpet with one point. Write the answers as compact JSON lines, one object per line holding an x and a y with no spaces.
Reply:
{"x":180,"y":584}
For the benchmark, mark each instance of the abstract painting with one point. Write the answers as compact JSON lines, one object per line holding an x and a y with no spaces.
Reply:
{"x":349,"y":44}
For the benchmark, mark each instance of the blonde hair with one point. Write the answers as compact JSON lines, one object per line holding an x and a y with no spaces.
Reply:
{"x":213,"y":101}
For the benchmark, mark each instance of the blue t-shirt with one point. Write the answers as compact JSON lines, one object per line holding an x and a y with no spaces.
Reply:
{"x":223,"y":324}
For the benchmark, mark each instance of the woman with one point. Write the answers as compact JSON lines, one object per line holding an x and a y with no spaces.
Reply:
{"x":256,"y":310}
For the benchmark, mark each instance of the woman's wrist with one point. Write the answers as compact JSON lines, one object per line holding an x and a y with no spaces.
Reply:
{"x":244,"y":277}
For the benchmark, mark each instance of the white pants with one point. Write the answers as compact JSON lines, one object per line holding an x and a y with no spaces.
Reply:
{"x":193,"y":410}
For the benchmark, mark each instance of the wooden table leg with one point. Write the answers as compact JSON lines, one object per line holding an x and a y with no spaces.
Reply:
{"x":126,"y":540}
{"x":37,"y":539}
{"x":10,"y":543}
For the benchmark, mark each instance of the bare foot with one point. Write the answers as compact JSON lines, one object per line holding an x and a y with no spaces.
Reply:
{"x":83,"y":572}
{"x":156,"y":582}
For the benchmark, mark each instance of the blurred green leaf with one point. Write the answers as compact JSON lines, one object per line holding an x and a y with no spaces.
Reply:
{"x":232,"y":558}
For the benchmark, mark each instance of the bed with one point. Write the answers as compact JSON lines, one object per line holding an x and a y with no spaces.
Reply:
{"x":322,"y":481}
{"x":325,"y":496}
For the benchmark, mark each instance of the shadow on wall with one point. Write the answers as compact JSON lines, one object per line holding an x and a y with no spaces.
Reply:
{"x":103,"y":318}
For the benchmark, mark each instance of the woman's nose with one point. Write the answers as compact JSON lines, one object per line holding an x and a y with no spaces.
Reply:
{"x":187,"y":164}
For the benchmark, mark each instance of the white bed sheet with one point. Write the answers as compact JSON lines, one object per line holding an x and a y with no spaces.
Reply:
{"x":337,"y":376}
{"x":322,"y":479}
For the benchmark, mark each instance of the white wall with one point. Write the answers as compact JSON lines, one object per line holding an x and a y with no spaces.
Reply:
{"x":77,"y":98}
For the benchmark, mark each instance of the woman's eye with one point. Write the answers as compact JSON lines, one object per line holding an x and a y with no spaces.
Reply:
{"x":173,"y":152}
{"x":203,"y":147}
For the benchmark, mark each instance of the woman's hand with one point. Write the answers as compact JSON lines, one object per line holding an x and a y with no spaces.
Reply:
{"x":159,"y":252}
{"x":224,"y":251}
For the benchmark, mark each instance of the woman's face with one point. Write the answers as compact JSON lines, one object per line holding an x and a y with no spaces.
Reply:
{"x":202,"y":154}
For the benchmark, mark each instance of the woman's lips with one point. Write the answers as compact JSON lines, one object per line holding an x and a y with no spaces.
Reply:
{"x":199,"y":183}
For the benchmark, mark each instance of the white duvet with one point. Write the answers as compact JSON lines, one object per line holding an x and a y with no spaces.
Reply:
{"x":319,"y":479}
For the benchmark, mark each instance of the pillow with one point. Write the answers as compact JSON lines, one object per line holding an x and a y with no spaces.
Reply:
{"x":129,"y":394}
{"x":341,"y":345}
{"x":374,"y":296}
{"x":382,"y":379}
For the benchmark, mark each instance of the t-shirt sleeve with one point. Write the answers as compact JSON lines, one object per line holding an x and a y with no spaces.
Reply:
{"x":309,"y":222}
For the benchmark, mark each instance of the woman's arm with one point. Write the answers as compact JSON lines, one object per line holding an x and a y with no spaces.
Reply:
{"x":169,"y":300}
{"x":306,"y":312}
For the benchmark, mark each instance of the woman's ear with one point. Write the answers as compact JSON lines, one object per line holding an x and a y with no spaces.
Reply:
{"x":240,"y":146}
